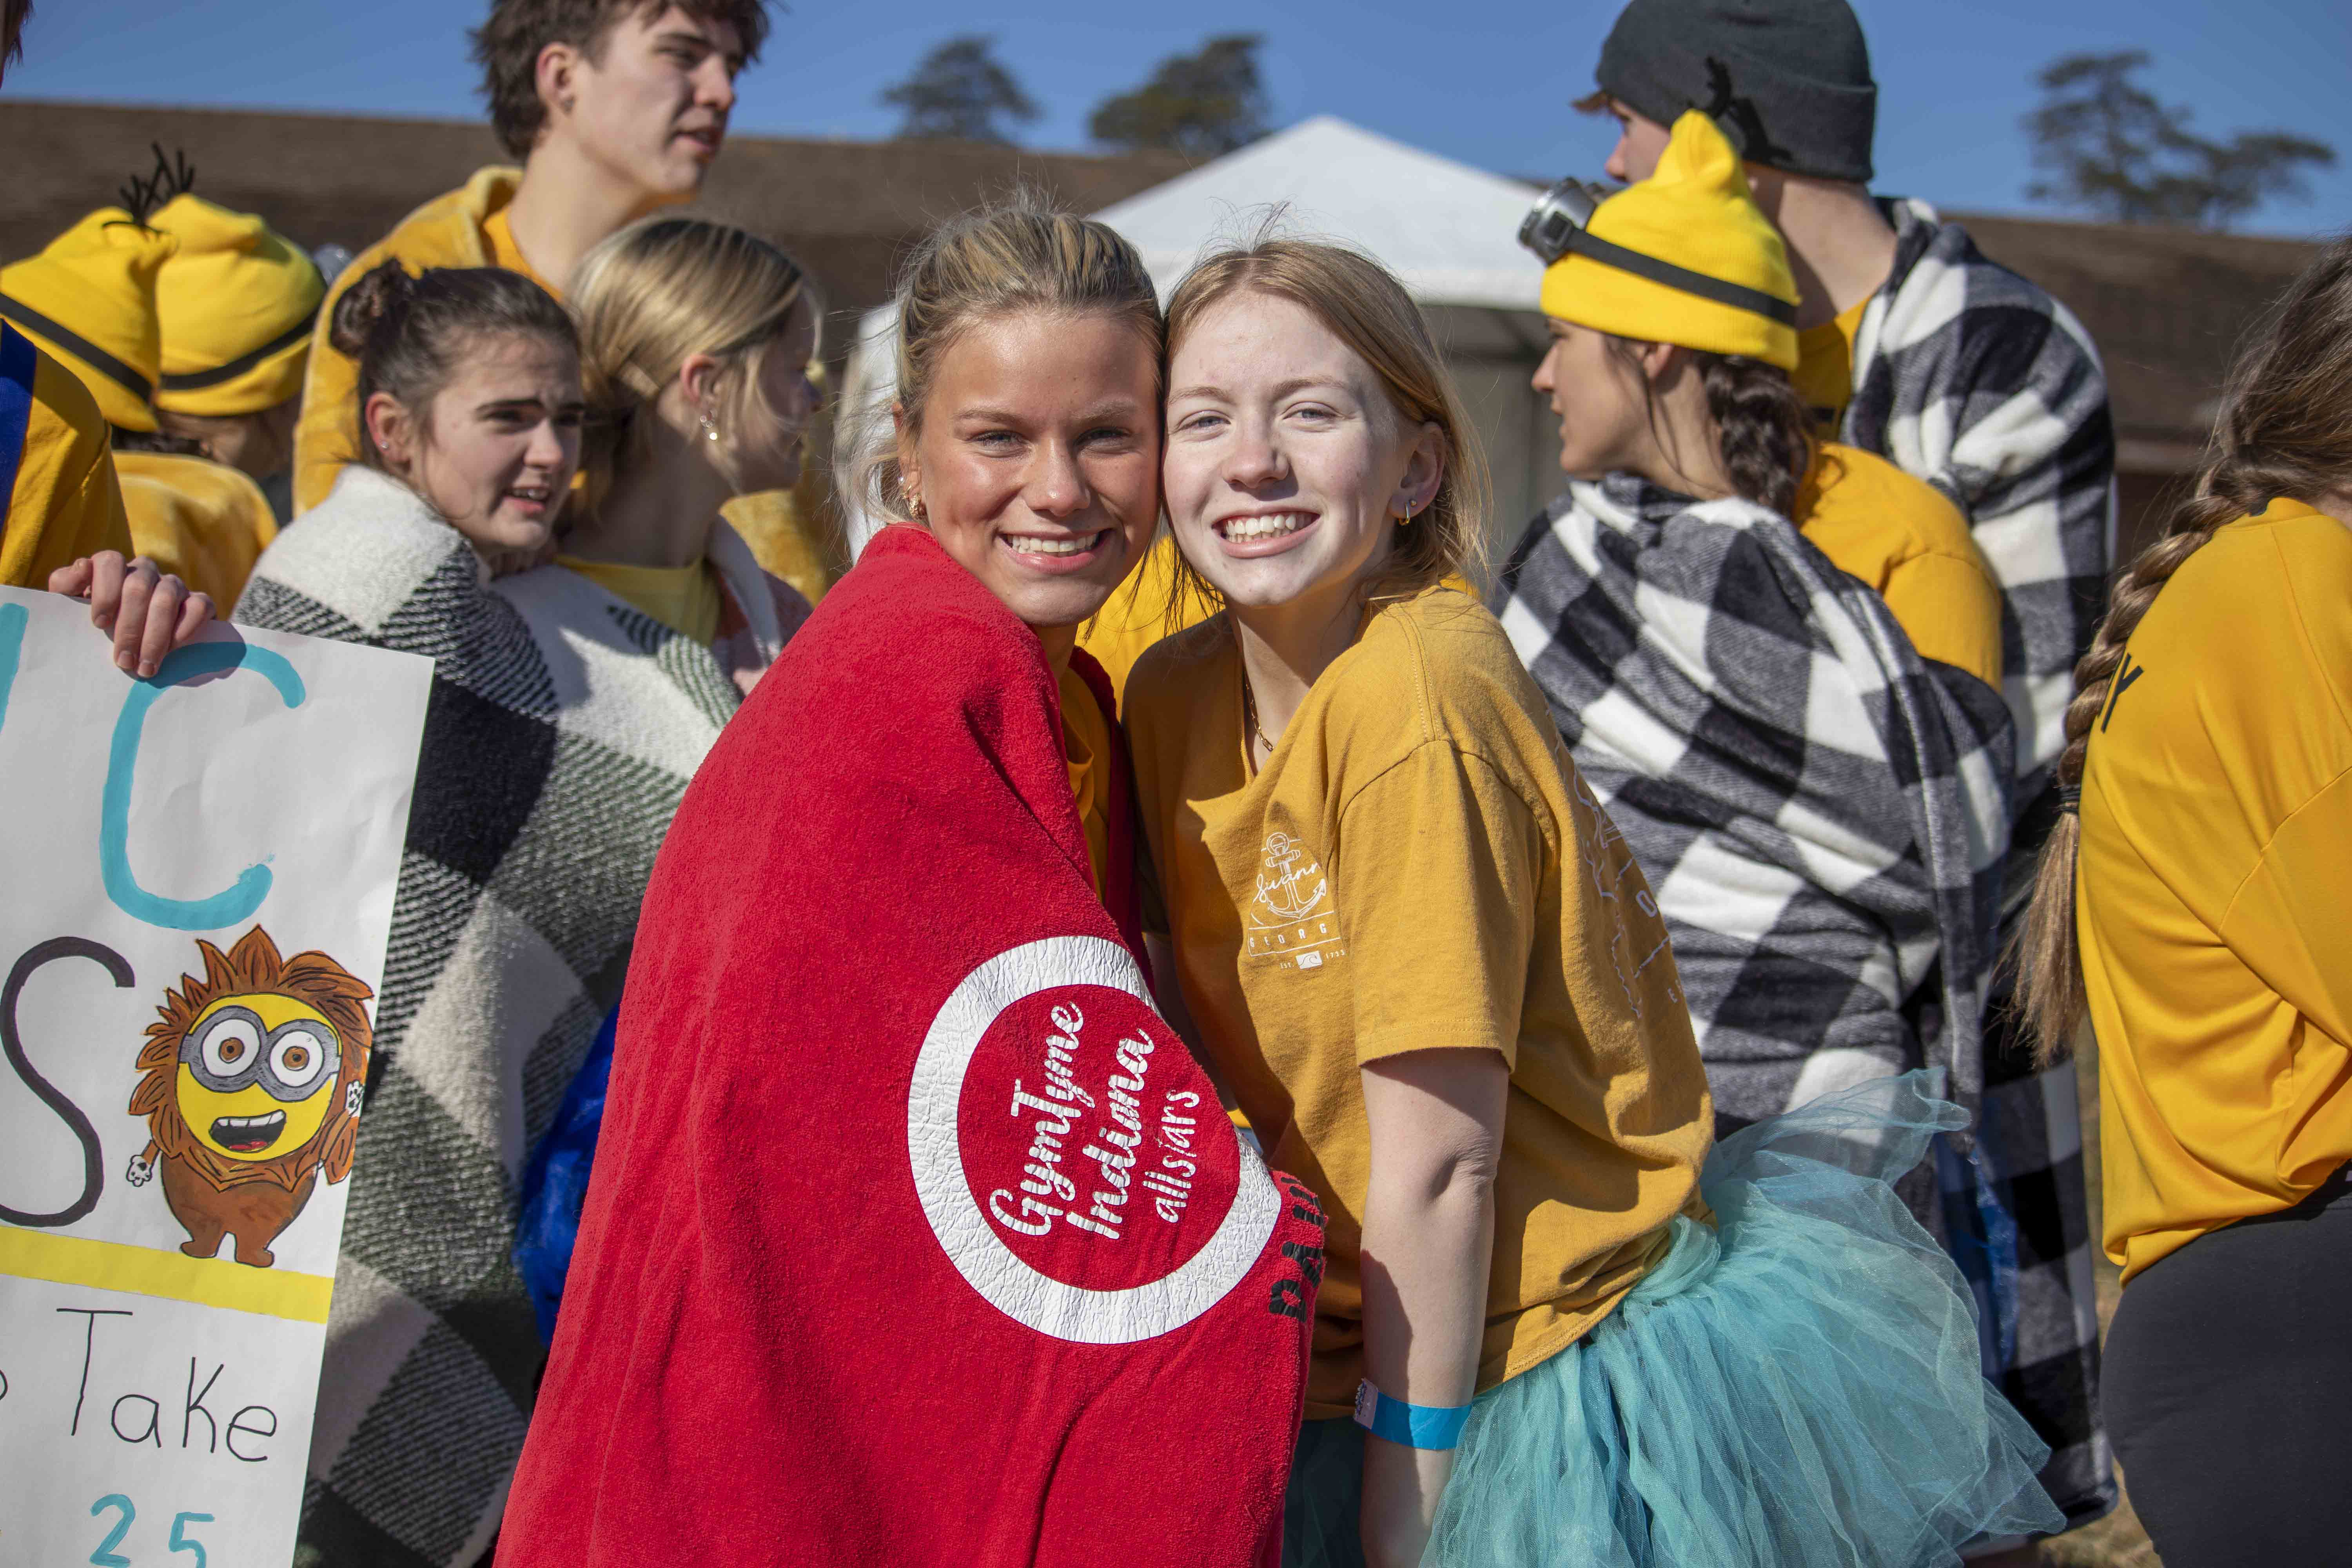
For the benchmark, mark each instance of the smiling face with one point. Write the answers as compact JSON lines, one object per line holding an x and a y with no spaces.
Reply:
{"x":1289,"y":467}
{"x":649,"y":104}
{"x":1037,"y":458}
{"x":257,"y":1075}
{"x":496,"y":450}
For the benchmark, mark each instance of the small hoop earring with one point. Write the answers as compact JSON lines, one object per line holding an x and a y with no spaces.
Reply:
{"x":1405,"y":519}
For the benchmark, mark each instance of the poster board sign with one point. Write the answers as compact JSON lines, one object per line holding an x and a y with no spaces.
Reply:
{"x":199,"y":871}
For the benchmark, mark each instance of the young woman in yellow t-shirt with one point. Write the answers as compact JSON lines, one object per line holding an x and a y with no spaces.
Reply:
{"x":2192,"y":906}
{"x":1426,"y":966}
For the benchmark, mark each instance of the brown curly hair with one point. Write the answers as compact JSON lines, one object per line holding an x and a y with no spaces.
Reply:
{"x":253,"y":966}
{"x":2284,"y":431}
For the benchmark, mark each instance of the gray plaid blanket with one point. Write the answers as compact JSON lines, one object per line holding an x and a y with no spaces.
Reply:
{"x":1821,"y":813}
{"x":564,"y":728}
{"x":1973,"y":379}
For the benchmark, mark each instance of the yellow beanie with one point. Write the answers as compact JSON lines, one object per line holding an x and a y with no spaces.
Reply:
{"x":89,"y":300}
{"x":1686,"y":256}
{"x":236,"y":305}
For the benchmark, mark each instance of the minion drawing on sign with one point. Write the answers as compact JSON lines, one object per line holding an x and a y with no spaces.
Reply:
{"x":252,"y":1085}
{"x":1290,"y":917}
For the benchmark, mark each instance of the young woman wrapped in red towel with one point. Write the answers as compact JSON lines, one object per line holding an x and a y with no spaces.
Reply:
{"x":915,"y":1235}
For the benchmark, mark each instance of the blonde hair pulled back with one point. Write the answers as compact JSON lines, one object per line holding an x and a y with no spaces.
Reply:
{"x":658,"y":291}
{"x":1019,"y":255}
{"x":1363,"y":305}
{"x":2284,"y":431}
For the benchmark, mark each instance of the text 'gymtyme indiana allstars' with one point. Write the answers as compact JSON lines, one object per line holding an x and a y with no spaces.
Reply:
{"x":1070,"y":1158}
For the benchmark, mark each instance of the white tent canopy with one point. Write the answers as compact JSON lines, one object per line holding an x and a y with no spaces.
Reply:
{"x":1448,"y":231}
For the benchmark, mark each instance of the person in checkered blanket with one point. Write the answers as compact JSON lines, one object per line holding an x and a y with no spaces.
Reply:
{"x":1914,"y":346}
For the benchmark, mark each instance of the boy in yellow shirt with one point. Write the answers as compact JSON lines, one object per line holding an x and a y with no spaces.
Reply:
{"x":623,"y":120}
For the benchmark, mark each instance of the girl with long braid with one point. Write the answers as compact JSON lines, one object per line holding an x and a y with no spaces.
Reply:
{"x":2191,"y":905}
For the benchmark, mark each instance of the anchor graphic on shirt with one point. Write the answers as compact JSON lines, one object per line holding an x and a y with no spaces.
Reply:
{"x":1286,"y":892}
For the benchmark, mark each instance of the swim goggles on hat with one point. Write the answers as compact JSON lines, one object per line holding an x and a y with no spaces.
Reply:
{"x":1556,"y":227}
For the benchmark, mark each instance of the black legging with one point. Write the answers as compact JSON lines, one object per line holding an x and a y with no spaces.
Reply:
{"x":2229,"y":1391}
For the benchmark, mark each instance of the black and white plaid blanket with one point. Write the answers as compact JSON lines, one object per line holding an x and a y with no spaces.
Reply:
{"x":1973,"y":379}
{"x":1822,"y":814}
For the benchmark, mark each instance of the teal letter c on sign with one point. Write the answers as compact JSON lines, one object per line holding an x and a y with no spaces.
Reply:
{"x":242,"y":896}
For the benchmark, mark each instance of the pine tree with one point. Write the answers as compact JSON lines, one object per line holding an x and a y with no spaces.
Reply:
{"x":960,"y":91}
{"x":1206,"y":104}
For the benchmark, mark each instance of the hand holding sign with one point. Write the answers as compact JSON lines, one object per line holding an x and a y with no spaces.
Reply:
{"x":203,"y":864}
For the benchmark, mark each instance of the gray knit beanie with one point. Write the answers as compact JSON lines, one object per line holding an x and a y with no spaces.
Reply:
{"x":1788,"y":80}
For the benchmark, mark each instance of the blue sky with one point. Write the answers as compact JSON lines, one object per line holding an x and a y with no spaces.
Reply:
{"x":1487,"y":83}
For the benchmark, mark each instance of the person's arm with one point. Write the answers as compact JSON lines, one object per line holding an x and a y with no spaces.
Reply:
{"x":1436,"y":1122}
{"x":148,"y":612}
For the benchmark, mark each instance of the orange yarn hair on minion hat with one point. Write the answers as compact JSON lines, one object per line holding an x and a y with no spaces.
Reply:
{"x":1685,"y":257}
{"x":237,"y":304}
{"x":89,"y":298}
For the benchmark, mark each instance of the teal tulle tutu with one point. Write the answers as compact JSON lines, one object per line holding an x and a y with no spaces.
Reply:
{"x":1798,"y":1388}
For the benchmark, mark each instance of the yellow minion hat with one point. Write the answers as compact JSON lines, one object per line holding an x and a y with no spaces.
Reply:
{"x":89,"y":300}
{"x":1685,"y":257}
{"x":237,"y":304}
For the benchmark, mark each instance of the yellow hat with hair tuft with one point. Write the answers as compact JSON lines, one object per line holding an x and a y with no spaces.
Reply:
{"x":236,"y":303}
{"x":1685,"y":257}
{"x":89,"y":299}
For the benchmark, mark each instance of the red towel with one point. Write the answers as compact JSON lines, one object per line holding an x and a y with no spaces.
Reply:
{"x":915,"y":1235}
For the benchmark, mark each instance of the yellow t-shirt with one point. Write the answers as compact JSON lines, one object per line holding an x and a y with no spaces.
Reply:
{"x":683,"y":598}
{"x":1136,"y":615}
{"x":1903,"y":538}
{"x":498,"y":232}
{"x":1824,"y":376}
{"x":1419,"y":865}
{"x":65,"y":502}
{"x":2210,"y":896}
{"x":1085,"y":747}
{"x":203,"y":521}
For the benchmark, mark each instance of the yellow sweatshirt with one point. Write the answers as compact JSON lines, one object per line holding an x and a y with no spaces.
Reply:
{"x":2210,"y":894}
{"x":62,"y":500}
{"x":203,"y":521}
{"x":787,"y":529}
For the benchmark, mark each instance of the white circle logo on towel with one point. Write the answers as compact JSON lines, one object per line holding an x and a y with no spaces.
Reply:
{"x":1070,"y":1157}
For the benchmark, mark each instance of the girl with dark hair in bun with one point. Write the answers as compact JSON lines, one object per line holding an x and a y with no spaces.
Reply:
{"x":1778,"y":660}
{"x":566,"y":721}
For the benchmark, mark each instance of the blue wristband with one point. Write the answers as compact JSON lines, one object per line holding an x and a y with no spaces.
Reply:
{"x":1432,"y":1426}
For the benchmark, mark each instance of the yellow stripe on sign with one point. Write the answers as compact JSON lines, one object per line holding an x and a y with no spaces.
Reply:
{"x":147,"y":1271}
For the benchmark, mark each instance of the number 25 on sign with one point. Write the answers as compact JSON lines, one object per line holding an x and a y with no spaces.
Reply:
{"x":109,"y":1554}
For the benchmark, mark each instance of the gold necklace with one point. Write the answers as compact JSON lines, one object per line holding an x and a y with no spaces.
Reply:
{"x":1249,"y":717}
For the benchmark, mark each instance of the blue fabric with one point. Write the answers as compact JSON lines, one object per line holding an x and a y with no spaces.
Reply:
{"x":18,"y":362}
{"x":555,"y":1183}
{"x":1798,"y":1387}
